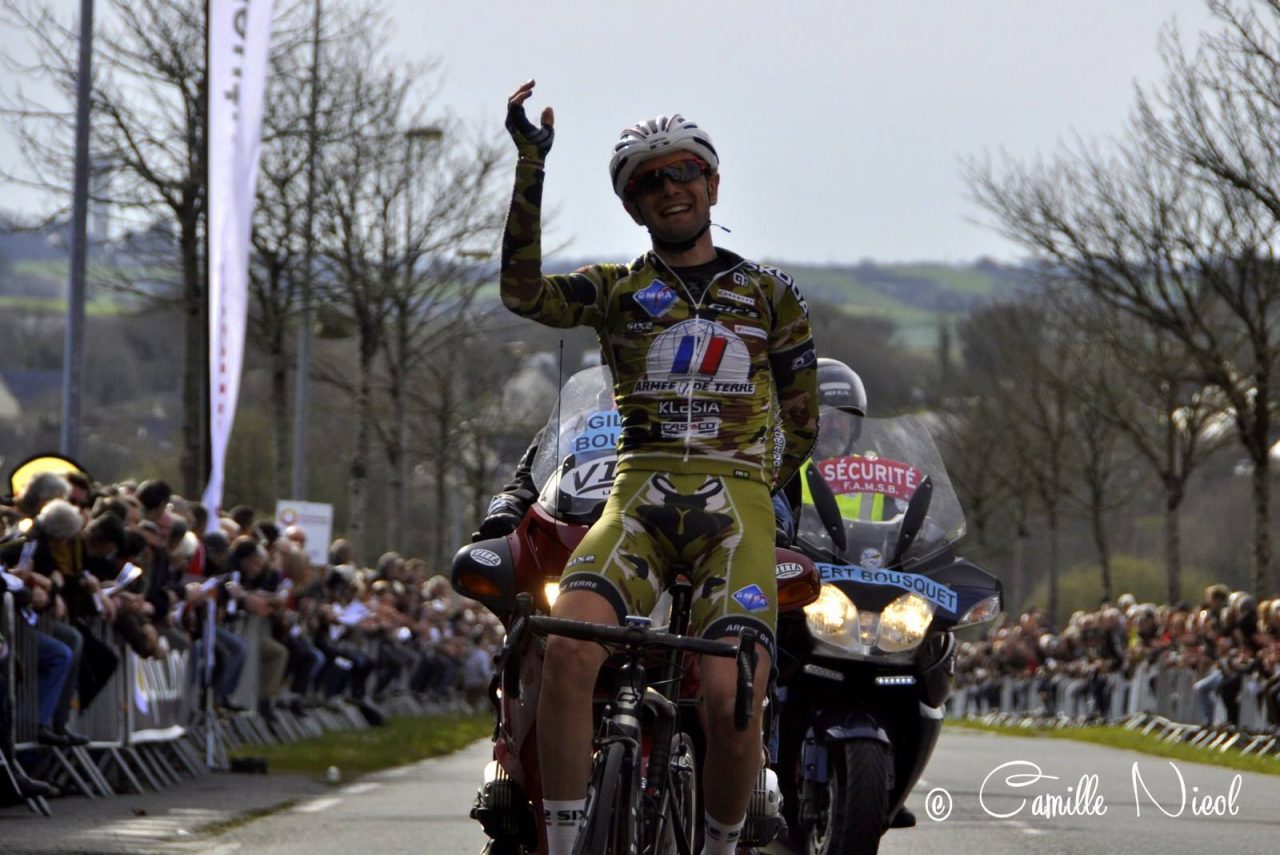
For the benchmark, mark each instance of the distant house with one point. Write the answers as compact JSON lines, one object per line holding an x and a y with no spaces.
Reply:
{"x":33,"y":389}
{"x":10,"y":409}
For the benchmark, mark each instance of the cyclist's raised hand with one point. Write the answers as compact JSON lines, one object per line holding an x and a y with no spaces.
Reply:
{"x":532,"y":143}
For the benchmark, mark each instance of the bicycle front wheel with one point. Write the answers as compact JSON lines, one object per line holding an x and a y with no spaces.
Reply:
{"x":682,"y":815}
{"x":606,"y":827}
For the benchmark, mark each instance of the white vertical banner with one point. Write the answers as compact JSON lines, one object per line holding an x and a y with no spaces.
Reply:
{"x":239,"y":41}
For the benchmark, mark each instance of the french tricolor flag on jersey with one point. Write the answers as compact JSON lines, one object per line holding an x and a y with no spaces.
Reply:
{"x":711,"y":357}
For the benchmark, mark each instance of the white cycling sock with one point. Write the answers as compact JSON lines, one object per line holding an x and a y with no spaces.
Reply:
{"x":721,"y":839}
{"x":561,"y":819}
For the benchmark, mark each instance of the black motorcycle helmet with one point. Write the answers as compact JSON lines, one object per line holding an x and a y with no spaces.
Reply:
{"x":840,"y":386}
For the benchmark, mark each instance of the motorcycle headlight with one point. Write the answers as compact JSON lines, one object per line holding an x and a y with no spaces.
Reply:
{"x":903,"y":623}
{"x":833,"y":617}
{"x":981,"y":611}
{"x":552,"y":590}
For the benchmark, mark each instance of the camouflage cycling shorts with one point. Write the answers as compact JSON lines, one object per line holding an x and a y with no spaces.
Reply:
{"x":719,"y":527}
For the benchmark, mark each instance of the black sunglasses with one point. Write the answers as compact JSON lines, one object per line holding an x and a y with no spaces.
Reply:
{"x":681,"y":172}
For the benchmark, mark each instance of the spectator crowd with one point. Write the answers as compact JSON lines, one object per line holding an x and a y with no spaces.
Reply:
{"x":1229,"y":642}
{"x":96,"y":569}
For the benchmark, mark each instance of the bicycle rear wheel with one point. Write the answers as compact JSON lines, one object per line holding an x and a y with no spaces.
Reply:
{"x":606,"y":823}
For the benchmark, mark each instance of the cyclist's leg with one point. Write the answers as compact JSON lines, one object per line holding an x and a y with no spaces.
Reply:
{"x":737,"y":588}
{"x":606,"y":578}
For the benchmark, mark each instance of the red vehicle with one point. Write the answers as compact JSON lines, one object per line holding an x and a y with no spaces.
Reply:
{"x":517,"y":575}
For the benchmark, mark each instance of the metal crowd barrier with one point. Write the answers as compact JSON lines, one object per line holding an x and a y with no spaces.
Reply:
{"x":1159,"y":690}
{"x":8,"y":628}
{"x":154,"y":718}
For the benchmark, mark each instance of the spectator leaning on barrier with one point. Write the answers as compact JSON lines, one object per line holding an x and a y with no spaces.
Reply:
{"x":49,"y":557}
{"x":1228,"y":650}
{"x":258,"y":593}
{"x":26,"y":787}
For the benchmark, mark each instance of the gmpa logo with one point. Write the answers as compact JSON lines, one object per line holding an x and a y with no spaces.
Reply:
{"x":656,"y":297}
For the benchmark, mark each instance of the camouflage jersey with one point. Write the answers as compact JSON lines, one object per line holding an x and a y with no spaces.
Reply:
{"x":700,"y":383}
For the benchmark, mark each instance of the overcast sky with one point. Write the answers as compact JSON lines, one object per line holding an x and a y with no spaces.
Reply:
{"x":841,"y":125}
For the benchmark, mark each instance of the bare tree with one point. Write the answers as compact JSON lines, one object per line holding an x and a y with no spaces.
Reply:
{"x":396,"y":238}
{"x":1157,"y":239}
{"x":149,"y":96}
{"x":306,"y":109}
{"x":441,"y":277}
{"x":1143,"y":384}
{"x":1216,"y":117}
{"x":1008,"y":354}
{"x":360,"y":182}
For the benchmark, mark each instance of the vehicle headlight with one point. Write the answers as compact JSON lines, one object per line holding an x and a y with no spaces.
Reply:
{"x":833,"y":617}
{"x":903,"y":623}
{"x":551,"y":590}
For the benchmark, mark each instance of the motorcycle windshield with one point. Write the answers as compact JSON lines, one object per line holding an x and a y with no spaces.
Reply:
{"x":872,"y":468}
{"x":574,"y":465}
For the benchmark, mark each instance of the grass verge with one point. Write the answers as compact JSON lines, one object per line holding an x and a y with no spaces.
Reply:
{"x":404,"y":739}
{"x":222,"y":826}
{"x":1117,"y":737}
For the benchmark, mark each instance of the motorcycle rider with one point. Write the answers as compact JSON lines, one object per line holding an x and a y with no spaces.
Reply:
{"x":840,"y":388}
{"x":700,"y":341}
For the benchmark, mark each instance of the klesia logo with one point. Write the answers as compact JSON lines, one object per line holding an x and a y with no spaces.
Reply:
{"x":656,"y":297}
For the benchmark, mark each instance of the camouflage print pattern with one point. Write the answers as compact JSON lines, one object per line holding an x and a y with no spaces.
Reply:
{"x":719,"y":528}
{"x":695,"y":380}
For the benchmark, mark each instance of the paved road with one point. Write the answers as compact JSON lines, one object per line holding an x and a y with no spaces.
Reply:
{"x":419,"y":809}
{"x":1250,"y":821}
{"x":423,"y":809}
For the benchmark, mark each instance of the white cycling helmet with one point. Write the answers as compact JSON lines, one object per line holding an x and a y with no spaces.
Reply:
{"x":655,"y":137}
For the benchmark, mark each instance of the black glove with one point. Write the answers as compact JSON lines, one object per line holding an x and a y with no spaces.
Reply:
{"x":532,"y":143}
{"x":784,"y":523}
{"x":501,"y":519}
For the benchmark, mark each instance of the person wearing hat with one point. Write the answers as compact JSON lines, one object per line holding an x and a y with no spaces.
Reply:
{"x":701,"y":344}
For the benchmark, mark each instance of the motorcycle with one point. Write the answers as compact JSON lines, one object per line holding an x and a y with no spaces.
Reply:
{"x":517,"y":576}
{"x":866,"y":669}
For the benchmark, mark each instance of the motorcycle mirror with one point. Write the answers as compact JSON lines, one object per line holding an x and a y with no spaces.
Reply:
{"x":917,"y":509}
{"x":824,"y":502}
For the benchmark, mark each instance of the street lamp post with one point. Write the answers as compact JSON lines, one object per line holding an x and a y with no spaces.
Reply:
{"x":302,"y":373}
{"x":412,"y":138}
{"x":73,"y":353}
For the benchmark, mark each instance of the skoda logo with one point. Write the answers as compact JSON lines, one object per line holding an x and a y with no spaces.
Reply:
{"x":487,"y":557}
{"x":789,"y":570}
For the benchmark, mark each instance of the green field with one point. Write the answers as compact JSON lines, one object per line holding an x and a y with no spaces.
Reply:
{"x":1118,"y":737}
{"x":965,"y":280}
{"x":98,"y":307}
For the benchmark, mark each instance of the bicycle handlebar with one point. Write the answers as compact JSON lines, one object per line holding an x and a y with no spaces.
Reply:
{"x":629,"y":636}
{"x":639,"y":637}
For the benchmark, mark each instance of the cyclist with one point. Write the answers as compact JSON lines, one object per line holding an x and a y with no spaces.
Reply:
{"x":708,"y":352}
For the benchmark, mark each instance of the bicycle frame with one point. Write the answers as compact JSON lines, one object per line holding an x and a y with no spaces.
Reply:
{"x":643,"y":823}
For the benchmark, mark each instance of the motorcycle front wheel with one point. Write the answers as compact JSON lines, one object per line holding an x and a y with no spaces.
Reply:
{"x":857,"y":800}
